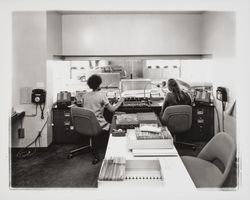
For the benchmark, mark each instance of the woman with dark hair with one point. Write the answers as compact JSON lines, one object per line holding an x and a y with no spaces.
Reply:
{"x":175,"y":96}
{"x":96,"y":101}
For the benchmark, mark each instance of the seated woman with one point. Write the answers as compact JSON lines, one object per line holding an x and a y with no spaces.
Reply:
{"x":175,"y":96}
{"x":96,"y":101}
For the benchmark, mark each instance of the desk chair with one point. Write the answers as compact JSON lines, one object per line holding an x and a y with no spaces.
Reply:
{"x":203,"y":169}
{"x":85,"y":123}
{"x":178,"y":119}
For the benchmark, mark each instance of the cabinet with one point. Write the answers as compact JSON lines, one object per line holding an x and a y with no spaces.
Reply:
{"x":202,"y":129}
{"x":63,"y":130}
{"x":202,"y":124}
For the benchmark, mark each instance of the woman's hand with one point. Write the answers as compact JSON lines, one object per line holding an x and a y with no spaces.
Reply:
{"x":121,"y":100}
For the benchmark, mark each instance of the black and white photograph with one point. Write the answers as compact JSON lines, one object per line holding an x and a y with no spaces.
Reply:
{"x":125,"y":100}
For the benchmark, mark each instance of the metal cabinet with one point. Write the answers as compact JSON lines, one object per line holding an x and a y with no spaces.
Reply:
{"x":203,"y":123}
{"x":63,"y":130}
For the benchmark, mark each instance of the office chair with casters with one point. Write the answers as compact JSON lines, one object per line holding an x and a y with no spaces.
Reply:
{"x":85,"y":123}
{"x":203,"y":169}
{"x":178,"y":119}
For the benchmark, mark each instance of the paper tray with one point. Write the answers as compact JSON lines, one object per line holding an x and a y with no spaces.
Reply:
{"x":140,"y":171}
{"x":137,"y":170}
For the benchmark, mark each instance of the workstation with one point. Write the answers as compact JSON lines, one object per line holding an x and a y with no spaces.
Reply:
{"x":136,"y":55}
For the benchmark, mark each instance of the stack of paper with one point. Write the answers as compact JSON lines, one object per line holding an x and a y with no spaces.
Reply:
{"x":154,"y":152}
{"x":144,"y":143}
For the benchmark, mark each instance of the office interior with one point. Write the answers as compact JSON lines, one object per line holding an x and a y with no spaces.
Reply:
{"x":134,"y":53}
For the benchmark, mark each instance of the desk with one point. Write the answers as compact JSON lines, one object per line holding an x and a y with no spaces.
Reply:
{"x":175,"y":175}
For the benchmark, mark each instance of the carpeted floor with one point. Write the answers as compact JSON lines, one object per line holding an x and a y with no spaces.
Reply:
{"x":51,"y":168}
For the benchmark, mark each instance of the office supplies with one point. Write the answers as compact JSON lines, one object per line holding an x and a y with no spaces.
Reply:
{"x":125,"y":121}
{"x":138,"y":140}
{"x":120,"y":169}
{"x":113,"y":169}
{"x":151,"y":128}
{"x":118,"y":133}
{"x":131,"y":120}
{"x":170,"y":166}
{"x":154,"y":152}
{"x":147,"y":118}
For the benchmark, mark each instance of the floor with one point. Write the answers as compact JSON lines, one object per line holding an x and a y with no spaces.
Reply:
{"x":51,"y":168}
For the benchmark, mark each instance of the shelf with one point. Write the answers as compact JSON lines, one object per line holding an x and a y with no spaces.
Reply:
{"x":17,"y":116}
{"x":151,"y":56}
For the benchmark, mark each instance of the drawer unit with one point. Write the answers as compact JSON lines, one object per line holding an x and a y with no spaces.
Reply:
{"x":202,"y":123}
{"x":63,"y":130}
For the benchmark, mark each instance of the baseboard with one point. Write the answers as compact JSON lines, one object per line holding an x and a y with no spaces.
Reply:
{"x":38,"y":149}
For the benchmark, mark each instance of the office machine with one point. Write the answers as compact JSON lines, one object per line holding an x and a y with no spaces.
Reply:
{"x":63,"y":99}
{"x":136,"y":102}
{"x":203,"y":97}
{"x":201,"y":93}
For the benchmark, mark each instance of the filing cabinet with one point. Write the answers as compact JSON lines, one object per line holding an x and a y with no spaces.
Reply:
{"x":63,"y":130}
{"x":202,"y":123}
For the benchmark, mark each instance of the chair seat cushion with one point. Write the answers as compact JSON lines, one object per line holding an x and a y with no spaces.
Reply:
{"x":202,"y":172}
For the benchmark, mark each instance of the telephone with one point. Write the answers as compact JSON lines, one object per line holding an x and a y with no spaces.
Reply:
{"x":38,"y":96}
{"x":63,"y":99}
{"x":221,"y":94}
{"x":202,"y":96}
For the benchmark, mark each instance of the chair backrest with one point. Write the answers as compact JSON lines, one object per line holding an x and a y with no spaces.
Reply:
{"x":177,"y":118}
{"x":220,"y":147}
{"x":85,"y":121}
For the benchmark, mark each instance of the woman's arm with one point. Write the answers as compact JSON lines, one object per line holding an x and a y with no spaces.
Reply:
{"x":116,"y":106}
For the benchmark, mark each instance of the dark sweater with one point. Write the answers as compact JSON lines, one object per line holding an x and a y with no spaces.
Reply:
{"x":171,"y":100}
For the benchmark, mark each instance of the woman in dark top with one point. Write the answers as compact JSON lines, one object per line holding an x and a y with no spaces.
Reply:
{"x":175,"y":96}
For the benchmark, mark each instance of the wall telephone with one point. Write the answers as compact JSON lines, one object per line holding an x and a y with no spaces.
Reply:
{"x":221,"y":94}
{"x":38,"y":96}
